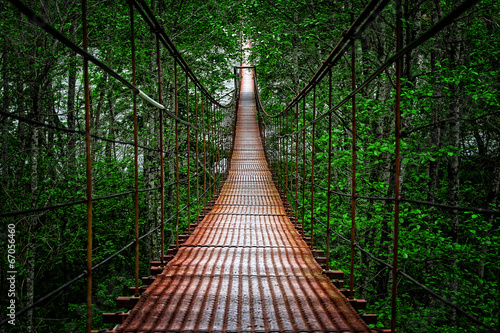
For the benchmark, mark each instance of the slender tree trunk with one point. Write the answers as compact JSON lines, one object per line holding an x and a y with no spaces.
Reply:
{"x":110,"y":146}
{"x":149,"y":177}
{"x":295,"y":57}
{"x":453,"y":166}
{"x":4,"y":141}
{"x":71,"y":154}
{"x":30,"y":253}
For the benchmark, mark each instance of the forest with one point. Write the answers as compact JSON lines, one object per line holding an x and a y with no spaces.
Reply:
{"x":157,"y":171}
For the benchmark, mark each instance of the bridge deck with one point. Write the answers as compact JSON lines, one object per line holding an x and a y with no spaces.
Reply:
{"x":244,"y":268}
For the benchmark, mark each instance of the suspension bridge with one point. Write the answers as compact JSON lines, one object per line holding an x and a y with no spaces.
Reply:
{"x":244,"y":267}
{"x":247,"y":263}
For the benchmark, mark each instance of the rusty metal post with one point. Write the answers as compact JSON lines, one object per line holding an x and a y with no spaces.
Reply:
{"x":312,"y":168}
{"x":353,"y":180}
{"x":216,"y":149}
{"x":209,"y":151}
{"x":287,"y":155}
{"x":291,"y":158}
{"x":264,"y":129}
{"x":281,"y":154}
{"x":272,"y":122}
{"x":277,"y":157}
{"x":89,"y":168}
{"x":188,"y":156}
{"x":197,"y":152}
{"x":397,"y":196}
{"x":218,"y":152}
{"x":211,"y":136}
{"x":220,"y":143}
{"x":328,"y":194}
{"x":303,"y":166}
{"x":272,"y":143}
{"x":296,"y":163}
{"x":204,"y":154}
{"x":162,"y":168}
{"x":176,"y":108}
{"x":215,"y":137}
{"x":136,"y":154}
{"x":272,"y":156}
{"x":284,"y":167}
{"x":212,"y":151}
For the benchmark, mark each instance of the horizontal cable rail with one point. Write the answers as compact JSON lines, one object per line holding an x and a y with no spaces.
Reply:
{"x":206,"y":133}
{"x":403,"y":199}
{"x":400,"y":271}
{"x":151,"y":20}
{"x":79,"y":202}
{"x":101,"y":263}
{"x":63,"y":39}
{"x":283,"y":136}
{"x":431,"y":32}
{"x":74,"y":131}
{"x":369,"y":13}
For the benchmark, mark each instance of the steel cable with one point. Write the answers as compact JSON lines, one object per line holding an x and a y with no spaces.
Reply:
{"x":63,"y":39}
{"x":101,"y":263}
{"x":401,"y":272}
{"x":78,"y":202}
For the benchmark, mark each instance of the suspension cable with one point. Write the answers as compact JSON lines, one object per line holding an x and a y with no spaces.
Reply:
{"x":102,"y":263}
{"x":401,"y":272}
{"x":78,"y":202}
{"x":403,"y":199}
{"x":38,"y":20}
{"x":74,"y":131}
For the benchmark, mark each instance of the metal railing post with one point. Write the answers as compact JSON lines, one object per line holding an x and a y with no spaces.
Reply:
{"x":136,"y":154}
{"x":312,"y":167}
{"x":296,"y":164}
{"x":204,"y":154}
{"x":291,"y":159}
{"x":176,"y":108}
{"x":353,"y":179}
{"x":162,"y":167}
{"x":397,"y":196}
{"x":303,"y":166}
{"x":188,"y":156}
{"x":328,"y":194}
{"x":197,"y":153}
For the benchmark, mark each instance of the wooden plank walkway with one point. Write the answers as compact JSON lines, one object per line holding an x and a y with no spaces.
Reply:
{"x":245,"y":268}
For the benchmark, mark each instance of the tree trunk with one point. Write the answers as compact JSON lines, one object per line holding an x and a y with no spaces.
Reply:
{"x":454,"y":164}
{"x":110,"y":146}
{"x":72,"y":72}
{"x":30,"y":253}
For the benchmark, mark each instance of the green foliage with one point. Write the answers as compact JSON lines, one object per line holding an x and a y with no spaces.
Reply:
{"x":36,"y":73}
{"x":449,"y":153}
